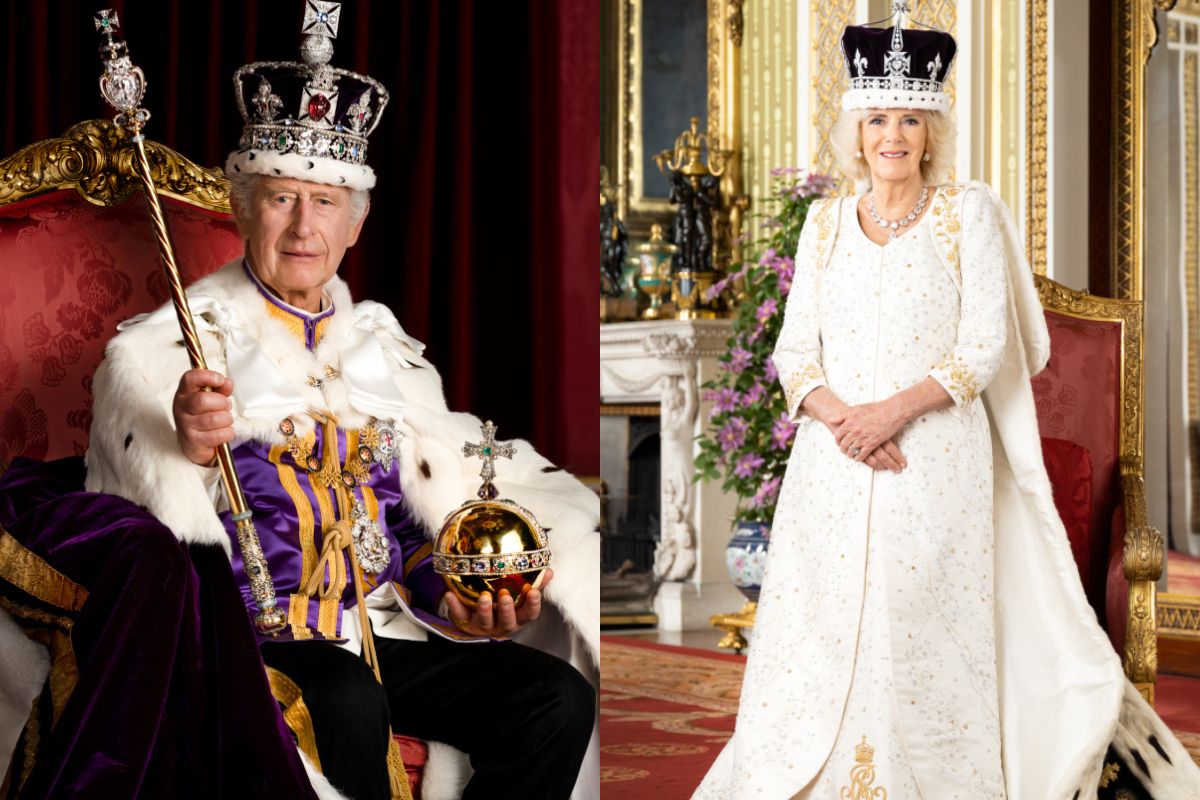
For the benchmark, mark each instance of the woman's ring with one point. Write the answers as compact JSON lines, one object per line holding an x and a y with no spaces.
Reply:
{"x":854,"y":451}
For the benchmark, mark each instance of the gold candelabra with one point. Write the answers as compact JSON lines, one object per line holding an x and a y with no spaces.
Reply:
{"x":686,"y":156}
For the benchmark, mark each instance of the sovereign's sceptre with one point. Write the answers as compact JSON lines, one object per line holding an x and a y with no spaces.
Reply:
{"x":123,"y":86}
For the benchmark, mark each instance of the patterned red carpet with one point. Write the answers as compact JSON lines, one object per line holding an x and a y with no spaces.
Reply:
{"x":665,"y":713}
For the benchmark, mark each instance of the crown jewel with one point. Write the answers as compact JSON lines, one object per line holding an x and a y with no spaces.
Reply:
{"x":885,"y":70}
{"x":308,"y":119}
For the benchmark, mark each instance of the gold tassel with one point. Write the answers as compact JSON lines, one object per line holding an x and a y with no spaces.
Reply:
{"x":396,"y":774}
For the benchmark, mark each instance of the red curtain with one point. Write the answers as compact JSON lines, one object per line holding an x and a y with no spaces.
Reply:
{"x":482,"y":231}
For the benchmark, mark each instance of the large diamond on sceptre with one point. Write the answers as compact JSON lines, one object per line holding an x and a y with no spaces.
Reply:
{"x":490,"y":543}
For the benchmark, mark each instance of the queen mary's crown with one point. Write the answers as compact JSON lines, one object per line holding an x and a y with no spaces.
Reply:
{"x":897,"y":67}
{"x":306,"y":119}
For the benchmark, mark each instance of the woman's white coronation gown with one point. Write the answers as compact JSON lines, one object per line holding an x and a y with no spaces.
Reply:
{"x":890,"y":617}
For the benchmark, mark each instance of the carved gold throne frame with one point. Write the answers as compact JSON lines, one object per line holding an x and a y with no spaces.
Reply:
{"x":1142,"y":562}
{"x":96,"y":159}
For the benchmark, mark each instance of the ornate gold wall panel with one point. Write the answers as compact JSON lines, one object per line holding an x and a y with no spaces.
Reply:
{"x":1002,"y":101}
{"x":1182,"y":27}
{"x":1191,"y":240}
{"x":828,"y":71}
{"x":1036,"y":30}
{"x":769,"y":93}
{"x":941,"y":14}
{"x":1134,"y":34}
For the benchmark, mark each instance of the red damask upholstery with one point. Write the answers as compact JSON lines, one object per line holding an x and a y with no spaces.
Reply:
{"x":69,"y":272}
{"x":1078,"y":399}
{"x":1070,"y":469}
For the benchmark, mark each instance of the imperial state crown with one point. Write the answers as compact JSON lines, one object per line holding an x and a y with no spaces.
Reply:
{"x":306,"y":119}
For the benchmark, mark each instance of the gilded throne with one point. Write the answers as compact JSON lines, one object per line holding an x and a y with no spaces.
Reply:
{"x":78,"y":256}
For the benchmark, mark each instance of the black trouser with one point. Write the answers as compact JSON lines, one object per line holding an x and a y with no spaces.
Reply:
{"x":523,"y":716}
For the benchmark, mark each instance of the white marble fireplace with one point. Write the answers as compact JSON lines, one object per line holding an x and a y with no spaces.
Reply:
{"x":664,"y":362}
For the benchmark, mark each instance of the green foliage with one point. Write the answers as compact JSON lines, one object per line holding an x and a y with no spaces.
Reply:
{"x":749,"y":437}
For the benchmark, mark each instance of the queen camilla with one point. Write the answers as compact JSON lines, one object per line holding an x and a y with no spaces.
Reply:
{"x":920,"y":610}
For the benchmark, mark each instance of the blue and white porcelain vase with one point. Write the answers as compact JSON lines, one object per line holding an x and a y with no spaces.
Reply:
{"x":746,"y":556}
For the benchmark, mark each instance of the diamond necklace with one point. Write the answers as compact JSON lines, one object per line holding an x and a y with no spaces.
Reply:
{"x":893,"y":226}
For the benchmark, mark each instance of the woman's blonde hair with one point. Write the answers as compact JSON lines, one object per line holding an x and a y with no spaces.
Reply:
{"x":940,"y":135}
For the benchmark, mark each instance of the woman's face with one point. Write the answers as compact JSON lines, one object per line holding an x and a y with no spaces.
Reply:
{"x":893,"y":141}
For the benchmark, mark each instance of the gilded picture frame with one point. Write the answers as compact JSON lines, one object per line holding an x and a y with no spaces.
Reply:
{"x":624,"y":150}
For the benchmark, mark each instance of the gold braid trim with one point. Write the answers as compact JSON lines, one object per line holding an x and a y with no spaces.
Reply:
{"x":420,"y":553}
{"x":297,"y":602}
{"x":53,"y":634}
{"x":29,"y":572}
{"x":295,"y":714}
{"x":397,"y":777}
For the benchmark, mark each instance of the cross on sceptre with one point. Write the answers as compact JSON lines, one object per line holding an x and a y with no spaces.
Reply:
{"x":106,"y":22}
{"x":488,"y":450}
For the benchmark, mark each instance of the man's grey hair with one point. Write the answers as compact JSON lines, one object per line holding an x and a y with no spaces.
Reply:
{"x":242,"y":185}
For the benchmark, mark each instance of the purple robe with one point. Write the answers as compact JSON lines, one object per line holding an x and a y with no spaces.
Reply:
{"x":278,"y":490}
{"x":162,"y":692}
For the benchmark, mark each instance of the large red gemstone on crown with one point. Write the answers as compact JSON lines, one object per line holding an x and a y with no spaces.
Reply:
{"x":318,"y":106}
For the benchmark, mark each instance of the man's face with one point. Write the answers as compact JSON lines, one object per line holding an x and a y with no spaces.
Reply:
{"x":296,"y":233}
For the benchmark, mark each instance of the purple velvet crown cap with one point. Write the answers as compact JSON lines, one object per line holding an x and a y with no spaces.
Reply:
{"x":897,"y":68}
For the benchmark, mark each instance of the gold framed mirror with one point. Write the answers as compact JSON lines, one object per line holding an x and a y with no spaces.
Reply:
{"x":662,"y":62}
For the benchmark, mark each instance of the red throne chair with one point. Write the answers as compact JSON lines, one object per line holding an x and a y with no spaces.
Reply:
{"x":78,"y":256}
{"x":1089,"y":407}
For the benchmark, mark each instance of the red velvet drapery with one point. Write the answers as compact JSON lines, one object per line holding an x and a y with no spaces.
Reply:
{"x":482,"y":230}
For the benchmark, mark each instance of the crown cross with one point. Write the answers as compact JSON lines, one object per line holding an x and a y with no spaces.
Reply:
{"x":897,"y":63}
{"x":321,"y":18}
{"x":488,"y":450}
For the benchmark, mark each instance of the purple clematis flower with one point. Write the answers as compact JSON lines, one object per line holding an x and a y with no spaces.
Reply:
{"x":739,"y":360}
{"x":754,"y":394}
{"x":747,"y":465}
{"x":766,"y":493}
{"x":782,"y":432}
{"x":766,"y":310}
{"x":732,"y":434}
{"x":724,"y":399}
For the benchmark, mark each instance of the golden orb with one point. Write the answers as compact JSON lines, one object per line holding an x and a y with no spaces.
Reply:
{"x":489,"y":545}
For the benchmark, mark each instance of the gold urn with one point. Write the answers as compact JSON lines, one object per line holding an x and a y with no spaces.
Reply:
{"x":489,"y":543}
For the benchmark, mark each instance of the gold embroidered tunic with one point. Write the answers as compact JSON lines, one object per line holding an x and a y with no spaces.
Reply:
{"x":876,"y":613}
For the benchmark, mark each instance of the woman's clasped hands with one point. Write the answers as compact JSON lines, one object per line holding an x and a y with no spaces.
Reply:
{"x":865,"y":432}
